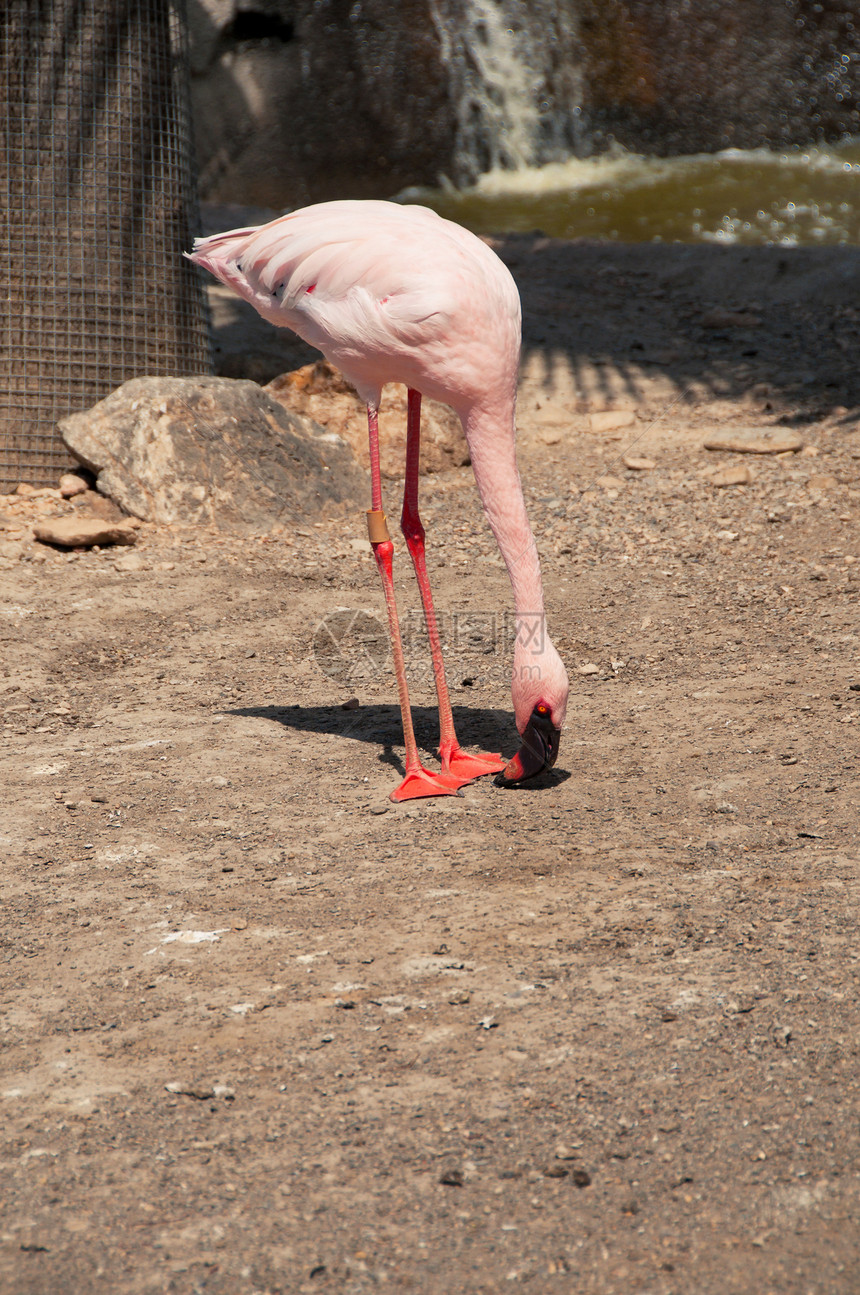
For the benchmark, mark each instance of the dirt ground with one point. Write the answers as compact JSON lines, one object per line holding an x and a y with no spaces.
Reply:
{"x":264,"y":1031}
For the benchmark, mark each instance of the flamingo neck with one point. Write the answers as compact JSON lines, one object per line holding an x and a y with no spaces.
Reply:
{"x":490,"y":432}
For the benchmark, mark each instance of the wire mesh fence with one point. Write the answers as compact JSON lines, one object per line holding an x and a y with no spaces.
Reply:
{"x":98,"y":198}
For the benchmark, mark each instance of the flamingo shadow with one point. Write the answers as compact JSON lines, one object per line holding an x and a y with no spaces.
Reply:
{"x":381,"y":725}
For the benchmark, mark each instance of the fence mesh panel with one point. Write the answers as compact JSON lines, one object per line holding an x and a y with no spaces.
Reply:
{"x":98,"y":199}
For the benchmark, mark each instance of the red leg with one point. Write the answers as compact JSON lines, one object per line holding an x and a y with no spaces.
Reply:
{"x":454,"y":759}
{"x":418,"y":781}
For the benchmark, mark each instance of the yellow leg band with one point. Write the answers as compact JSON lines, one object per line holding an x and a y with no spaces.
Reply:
{"x":377,"y":526}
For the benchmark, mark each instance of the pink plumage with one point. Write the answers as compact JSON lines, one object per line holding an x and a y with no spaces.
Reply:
{"x":395,"y":293}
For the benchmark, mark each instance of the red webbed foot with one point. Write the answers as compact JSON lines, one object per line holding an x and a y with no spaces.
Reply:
{"x":463,"y":764}
{"x":422,"y":782}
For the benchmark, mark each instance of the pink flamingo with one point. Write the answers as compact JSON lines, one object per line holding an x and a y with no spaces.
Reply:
{"x":395,"y":293}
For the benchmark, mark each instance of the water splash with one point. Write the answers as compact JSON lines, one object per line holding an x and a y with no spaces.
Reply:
{"x":797,"y":196}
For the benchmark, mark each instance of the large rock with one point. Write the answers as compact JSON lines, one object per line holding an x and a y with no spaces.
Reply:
{"x":84,"y":532}
{"x":211,"y":450}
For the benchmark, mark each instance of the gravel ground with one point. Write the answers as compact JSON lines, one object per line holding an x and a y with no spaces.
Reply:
{"x":264,"y":1031}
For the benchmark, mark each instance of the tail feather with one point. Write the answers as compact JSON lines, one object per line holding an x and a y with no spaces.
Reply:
{"x":214,"y":253}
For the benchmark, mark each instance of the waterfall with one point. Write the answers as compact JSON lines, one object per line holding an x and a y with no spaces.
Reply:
{"x":515,"y":81}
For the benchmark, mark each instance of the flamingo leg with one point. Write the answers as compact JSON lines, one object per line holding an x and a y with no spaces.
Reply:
{"x":454,"y":759}
{"x":418,"y":780}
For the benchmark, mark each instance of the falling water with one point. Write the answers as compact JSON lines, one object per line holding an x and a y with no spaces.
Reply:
{"x":511,"y":114}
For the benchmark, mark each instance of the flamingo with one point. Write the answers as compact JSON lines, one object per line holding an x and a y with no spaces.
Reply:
{"x":393,"y":293}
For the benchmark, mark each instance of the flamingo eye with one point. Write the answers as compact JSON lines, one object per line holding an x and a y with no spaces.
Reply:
{"x":542,"y":708}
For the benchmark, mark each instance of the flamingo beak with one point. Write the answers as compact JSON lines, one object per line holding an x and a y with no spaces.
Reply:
{"x":539,"y":749}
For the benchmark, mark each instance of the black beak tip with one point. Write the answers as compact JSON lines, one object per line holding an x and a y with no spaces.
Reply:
{"x":537,"y":754}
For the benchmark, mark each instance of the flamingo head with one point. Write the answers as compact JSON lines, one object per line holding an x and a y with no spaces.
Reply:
{"x":539,"y":688}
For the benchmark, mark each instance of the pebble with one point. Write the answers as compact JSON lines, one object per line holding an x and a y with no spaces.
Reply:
{"x":71,"y":484}
{"x":200,"y":1092}
{"x":84,"y":532}
{"x":611,"y":420}
{"x":588,"y":668}
{"x":732,"y":476}
{"x":753,"y":441}
{"x":131,"y":562}
{"x":459,"y":997}
{"x":638,"y":465}
{"x":721,"y":318}
{"x":550,"y":414}
{"x":820,"y":481}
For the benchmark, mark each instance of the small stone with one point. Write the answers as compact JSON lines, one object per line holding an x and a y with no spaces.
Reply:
{"x":379,"y":809}
{"x":608,"y":482}
{"x":131,"y":562}
{"x":452,"y":1178}
{"x":550,"y":414}
{"x":588,"y":668}
{"x":721,"y":318}
{"x":459,"y":998}
{"x":84,"y":532}
{"x":565,"y":1152}
{"x":72,"y":484}
{"x":821,"y":481}
{"x":740,"y":1006}
{"x":753,"y":441}
{"x":555,"y":1171}
{"x":611,"y":420}
{"x":581,"y":1178}
{"x":638,"y":465}
{"x":24,"y":488}
{"x":732,"y":476}
{"x":199,"y":1092}
{"x":352,"y":704}
{"x":550,"y":436}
